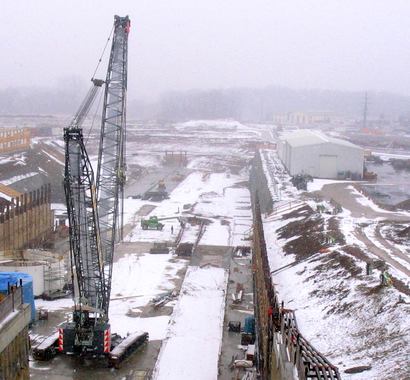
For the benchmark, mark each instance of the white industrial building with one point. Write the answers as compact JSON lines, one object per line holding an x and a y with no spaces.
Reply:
{"x":311,"y":152}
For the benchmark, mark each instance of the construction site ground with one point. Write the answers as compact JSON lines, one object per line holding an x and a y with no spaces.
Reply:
{"x":340,"y":193}
{"x":209,"y":189}
{"x":327,"y":248}
{"x":140,"y":365}
{"x":240,"y":273}
{"x":318,"y":261}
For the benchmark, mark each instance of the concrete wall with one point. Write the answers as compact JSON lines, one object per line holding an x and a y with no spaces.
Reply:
{"x":15,"y":317}
{"x":258,"y":185}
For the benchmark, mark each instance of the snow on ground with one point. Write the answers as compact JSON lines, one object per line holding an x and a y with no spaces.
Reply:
{"x":241,"y":232}
{"x":192,"y":347}
{"x":212,"y":126}
{"x":364,"y":201}
{"x":388,"y":156}
{"x":279,"y":181}
{"x":317,"y":183}
{"x":156,"y":327}
{"x":131,"y":207}
{"x":136,"y":280}
{"x":212,"y":196}
{"x":344,"y":316}
{"x":60,"y":304}
{"x":354,"y":335}
{"x":199,"y":163}
{"x":404,"y":244}
{"x":216,"y":234}
{"x":226,"y":204}
{"x":190,"y":234}
{"x":164,"y":235}
{"x":144,"y":160}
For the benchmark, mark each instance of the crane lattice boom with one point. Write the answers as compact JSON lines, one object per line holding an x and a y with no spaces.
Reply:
{"x":111,"y":155}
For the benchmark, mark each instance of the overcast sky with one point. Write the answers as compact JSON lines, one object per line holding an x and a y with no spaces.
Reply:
{"x":185,"y":44}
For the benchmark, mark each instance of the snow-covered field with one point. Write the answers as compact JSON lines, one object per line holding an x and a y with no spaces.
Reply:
{"x":191,"y":349}
{"x":136,"y":280}
{"x":215,"y":197}
{"x":337,"y":312}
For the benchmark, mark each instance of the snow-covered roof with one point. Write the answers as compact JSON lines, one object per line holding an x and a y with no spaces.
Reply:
{"x":302,"y":137}
{"x":7,"y":193}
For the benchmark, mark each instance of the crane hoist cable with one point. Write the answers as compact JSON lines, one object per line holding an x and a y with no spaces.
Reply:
{"x":97,"y":109}
{"x":93,"y":77}
{"x":103,"y":52}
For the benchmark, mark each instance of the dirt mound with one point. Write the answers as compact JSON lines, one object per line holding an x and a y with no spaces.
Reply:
{"x":310,"y":232}
{"x":338,"y":261}
{"x":305,"y":210}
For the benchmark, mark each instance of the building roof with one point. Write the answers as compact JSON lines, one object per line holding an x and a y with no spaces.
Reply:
{"x":303,"y":137}
{"x":7,"y":194}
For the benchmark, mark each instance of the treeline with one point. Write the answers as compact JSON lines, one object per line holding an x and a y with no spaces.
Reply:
{"x":239,"y":103}
{"x":262,"y":104}
{"x":39,"y":100}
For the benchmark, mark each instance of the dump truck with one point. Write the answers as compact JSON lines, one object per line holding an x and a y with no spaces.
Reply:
{"x":152,"y":224}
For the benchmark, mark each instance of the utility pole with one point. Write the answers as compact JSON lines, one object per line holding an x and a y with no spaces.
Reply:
{"x":365,"y":111}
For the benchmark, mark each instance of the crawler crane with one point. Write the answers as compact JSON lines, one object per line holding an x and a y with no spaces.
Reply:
{"x":94,"y":209}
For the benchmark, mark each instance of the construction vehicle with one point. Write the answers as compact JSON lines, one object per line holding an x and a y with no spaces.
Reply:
{"x":152,"y":223}
{"x":158,"y":194}
{"x":95,"y":208}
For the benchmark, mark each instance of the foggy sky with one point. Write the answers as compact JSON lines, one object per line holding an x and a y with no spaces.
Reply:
{"x":184,"y":44}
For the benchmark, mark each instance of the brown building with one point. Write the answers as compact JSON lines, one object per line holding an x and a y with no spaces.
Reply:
{"x":14,"y":139}
{"x":26,"y":220}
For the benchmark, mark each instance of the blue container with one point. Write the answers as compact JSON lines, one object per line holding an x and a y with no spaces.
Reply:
{"x":13,"y":278}
{"x":249,"y":325}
